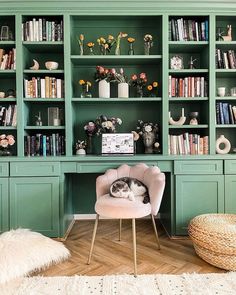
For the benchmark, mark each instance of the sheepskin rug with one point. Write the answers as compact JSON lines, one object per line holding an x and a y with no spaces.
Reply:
{"x":23,"y":251}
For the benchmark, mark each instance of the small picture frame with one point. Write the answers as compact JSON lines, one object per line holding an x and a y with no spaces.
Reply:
{"x":117,"y":143}
{"x":176,"y":62}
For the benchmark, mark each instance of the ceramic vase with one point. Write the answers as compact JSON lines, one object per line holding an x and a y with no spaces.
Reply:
{"x":103,"y":89}
{"x":123,"y":90}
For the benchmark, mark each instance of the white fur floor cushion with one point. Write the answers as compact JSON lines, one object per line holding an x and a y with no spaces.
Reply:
{"x":23,"y":251}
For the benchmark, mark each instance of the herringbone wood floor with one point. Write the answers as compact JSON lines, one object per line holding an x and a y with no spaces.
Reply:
{"x":113,"y":257}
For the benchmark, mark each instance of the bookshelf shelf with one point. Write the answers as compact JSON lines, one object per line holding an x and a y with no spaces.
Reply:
{"x":44,"y":127}
{"x":117,"y":100}
{"x":199,"y":126}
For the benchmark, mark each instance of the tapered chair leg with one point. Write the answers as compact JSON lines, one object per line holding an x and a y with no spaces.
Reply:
{"x":120,"y":228}
{"x":134,"y":246}
{"x":155,"y":230}
{"x":93,"y":238}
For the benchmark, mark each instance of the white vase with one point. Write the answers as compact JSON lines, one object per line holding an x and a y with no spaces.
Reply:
{"x":103,"y":89}
{"x":123,"y":90}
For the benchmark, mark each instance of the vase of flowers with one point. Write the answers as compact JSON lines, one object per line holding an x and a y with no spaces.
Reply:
{"x":139,"y":81}
{"x":148,"y":43}
{"x":6,"y":141}
{"x":104,"y":76}
{"x":80,"y":40}
{"x":123,"y":86}
{"x":86,"y":86}
{"x":106,"y":44}
{"x":131,"y":45}
{"x":90,"y":47}
{"x":106,"y":124}
{"x":118,"y":40}
{"x":152,"y":89}
{"x":90,"y":129}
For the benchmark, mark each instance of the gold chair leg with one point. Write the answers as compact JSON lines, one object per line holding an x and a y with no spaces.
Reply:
{"x":134,"y":247}
{"x":155,"y":230}
{"x":93,"y":238}
{"x":120,"y":227}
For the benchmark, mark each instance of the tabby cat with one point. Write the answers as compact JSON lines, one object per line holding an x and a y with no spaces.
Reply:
{"x":129,"y":188}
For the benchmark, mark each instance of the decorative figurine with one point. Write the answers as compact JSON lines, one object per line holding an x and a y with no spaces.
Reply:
{"x":228,"y":37}
{"x":191,"y":63}
{"x":35,"y":66}
{"x":193,"y":118}
{"x":80,"y":147}
{"x":179,"y":122}
{"x":38,"y":122}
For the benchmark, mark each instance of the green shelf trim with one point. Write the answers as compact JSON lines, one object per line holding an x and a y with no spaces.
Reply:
{"x":225,"y":42}
{"x":200,"y":126}
{"x":44,"y":127}
{"x":51,"y":100}
{"x":225,"y":70}
{"x":115,"y":59}
{"x":226,"y":126}
{"x":4,"y":72}
{"x":2,"y":100}
{"x":130,"y":99}
{"x":43,"y":71}
{"x":8,"y":127}
{"x":188,"y":43}
{"x":226,"y":98}
{"x":178,"y":99}
{"x":42,"y":43}
{"x":188,"y":71}
{"x":7,"y":43}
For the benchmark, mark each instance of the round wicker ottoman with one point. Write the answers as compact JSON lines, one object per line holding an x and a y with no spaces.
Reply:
{"x":214,"y":239}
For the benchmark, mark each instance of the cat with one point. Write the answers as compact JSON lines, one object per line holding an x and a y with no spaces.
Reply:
{"x":129,"y":188}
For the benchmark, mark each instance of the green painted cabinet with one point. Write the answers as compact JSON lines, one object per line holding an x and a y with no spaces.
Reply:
{"x":230,"y":197}
{"x":195,"y":195}
{"x":34,"y":204}
{"x":4,"y":201}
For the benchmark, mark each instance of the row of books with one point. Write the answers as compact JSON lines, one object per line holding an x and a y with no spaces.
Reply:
{"x":188,"y":30}
{"x":42,"y":30}
{"x":225,"y":59}
{"x":225,"y":113}
{"x":47,"y":87}
{"x":187,"y":144}
{"x":187,"y":87}
{"x":8,"y":59}
{"x":8,"y":115}
{"x":44,"y":145}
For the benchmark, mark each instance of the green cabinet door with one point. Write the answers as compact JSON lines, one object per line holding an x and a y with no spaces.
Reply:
{"x":230,"y":197}
{"x":195,"y":195}
{"x":34,"y":204}
{"x":4,"y":208}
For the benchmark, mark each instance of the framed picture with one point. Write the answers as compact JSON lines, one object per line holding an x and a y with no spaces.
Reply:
{"x":117,"y":143}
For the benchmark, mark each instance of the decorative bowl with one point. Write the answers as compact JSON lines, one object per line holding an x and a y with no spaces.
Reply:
{"x":51,"y":65}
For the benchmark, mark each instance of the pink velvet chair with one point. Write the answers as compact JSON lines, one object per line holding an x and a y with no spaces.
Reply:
{"x":118,"y":208}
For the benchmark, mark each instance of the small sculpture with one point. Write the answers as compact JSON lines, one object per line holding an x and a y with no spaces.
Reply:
{"x":80,"y":147}
{"x":38,"y":122}
{"x":228,"y":37}
{"x":35,"y":66}
{"x":181,"y":120}
{"x":191,"y":63}
{"x":193,"y":118}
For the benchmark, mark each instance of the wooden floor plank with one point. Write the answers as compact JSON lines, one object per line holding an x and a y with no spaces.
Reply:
{"x":113,"y":257}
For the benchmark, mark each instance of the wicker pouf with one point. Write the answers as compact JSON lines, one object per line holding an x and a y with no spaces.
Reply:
{"x":214,"y":239}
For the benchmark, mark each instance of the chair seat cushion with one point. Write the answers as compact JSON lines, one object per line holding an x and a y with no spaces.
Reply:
{"x":108,"y":206}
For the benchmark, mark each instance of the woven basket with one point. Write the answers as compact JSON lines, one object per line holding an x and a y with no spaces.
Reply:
{"x":214,"y":239}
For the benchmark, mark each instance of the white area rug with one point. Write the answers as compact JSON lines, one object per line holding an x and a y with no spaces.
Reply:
{"x":187,"y":284}
{"x":23,"y":251}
